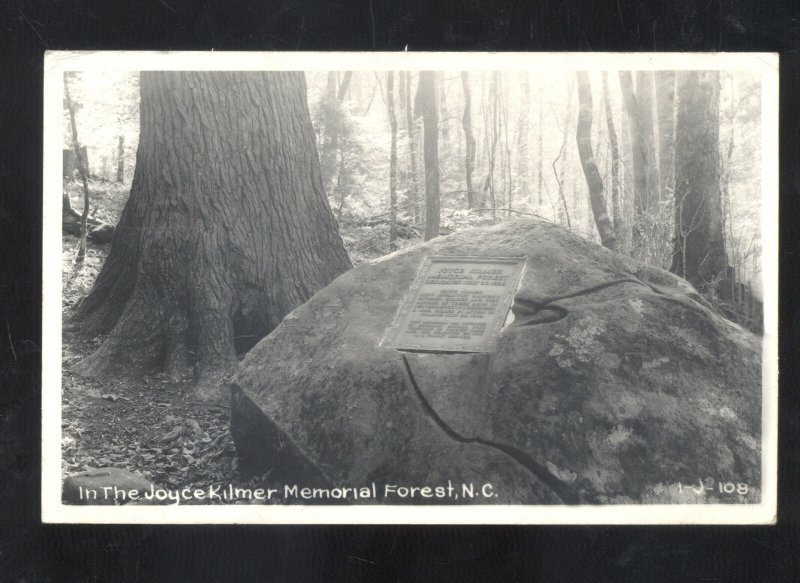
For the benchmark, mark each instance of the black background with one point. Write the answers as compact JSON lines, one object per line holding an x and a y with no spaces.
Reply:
{"x":32,"y":552}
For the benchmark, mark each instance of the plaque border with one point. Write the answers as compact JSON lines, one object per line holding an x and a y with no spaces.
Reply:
{"x":392,"y":331}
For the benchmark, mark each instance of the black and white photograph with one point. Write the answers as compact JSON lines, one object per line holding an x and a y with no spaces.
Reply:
{"x":474,"y":288}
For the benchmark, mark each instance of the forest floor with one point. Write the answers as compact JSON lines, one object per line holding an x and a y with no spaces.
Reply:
{"x":151,"y":425}
{"x":148,"y":425}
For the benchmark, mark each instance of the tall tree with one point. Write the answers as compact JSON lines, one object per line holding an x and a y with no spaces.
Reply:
{"x":412,"y":148}
{"x":583,"y":136}
{"x":699,"y":254}
{"x":83,"y":168}
{"x":227,"y":228}
{"x":469,"y":138}
{"x":523,"y":151}
{"x":540,"y":149}
{"x":645,"y":99}
{"x":331,"y":119}
{"x":426,"y":104}
{"x":638,"y":151}
{"x":392,"y":161}
{"x":665,"y":100}
{"x":616,"y":212}
{"x":344,"y":86}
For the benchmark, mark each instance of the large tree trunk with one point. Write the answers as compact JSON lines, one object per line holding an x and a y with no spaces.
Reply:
{"x":699,"y":254}
{"x":426,"y":101}
{"x":469,"y":138}
{"x":227,"y":228}
{"x":665,"y":100}
{"x":392,"y":162}
{"x":583,"y":136}
{"x":616,"y":211}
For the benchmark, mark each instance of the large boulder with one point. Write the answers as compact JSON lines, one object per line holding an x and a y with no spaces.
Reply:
{"x":615,"y":383}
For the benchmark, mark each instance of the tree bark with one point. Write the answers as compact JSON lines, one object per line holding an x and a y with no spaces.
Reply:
{"x":392,"y":162}
{"x":699,"y":254}
{"x":616,"y":211}
{"x":227,"y":228}
{"x":583,"y":136}
{"x":665,"y":99}
{"x":469,"y":138}
{"x":426,"y":101}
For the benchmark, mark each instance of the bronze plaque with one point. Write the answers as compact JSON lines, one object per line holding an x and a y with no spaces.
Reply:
{"x":456,"y":304}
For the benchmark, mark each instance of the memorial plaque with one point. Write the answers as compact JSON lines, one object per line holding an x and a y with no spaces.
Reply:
{"x":456,"y":304}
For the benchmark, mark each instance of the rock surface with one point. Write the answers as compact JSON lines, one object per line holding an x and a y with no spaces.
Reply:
{"x":104,"y":486}
{"x":614,"y":383}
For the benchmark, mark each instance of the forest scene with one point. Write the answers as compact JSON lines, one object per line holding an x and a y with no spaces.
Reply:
{"x":209,"y":216}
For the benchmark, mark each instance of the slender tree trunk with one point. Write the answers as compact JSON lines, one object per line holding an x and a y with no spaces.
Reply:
{"x":699,"y":255}
{"x":83,"y":171}
{"x":330,"y":144}
{"x":344,"y":86}
{"x":523,"y":130}
{"x":444,"y":116}
{"x":227,"y":228}
{"x":645,"y":97}
{"x":583,"y":136}
{"x":412,"y":148}
{"x":466,"y":122}
{"x":392,"y":162}
{"x":612,"y":138}
{"x":121,"y":159}
{"x":665,"y":98}
{"x":508,"y":182}
{"x":426,"y":101}
{"x":540,"y":150}
{"x":639,"y":163}
{"x":488,"y":185}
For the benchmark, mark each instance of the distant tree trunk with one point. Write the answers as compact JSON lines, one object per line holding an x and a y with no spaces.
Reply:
{"x":466,"y":122}
{"x":645,"y":97}
{"x":488,"y":185}
{"x":121,"y":159}
{"x":665,"y":99}
{"x":82,"y":170}
{"x":539,"y":150}
{"x":612,"y":138}
{"x":426,"y":101}
{"x":639,"y":163}
{"x":508,"y":182}
{"x":699,"y":254}
{"x":583,"y":136}
{"x":412,"y":148}
{"x":392,"y":162}
{"x":444,"y":116}
{"x":218,"y":240}
{"x":523,"y":129}
{"x":344,"y":86}
{"x":330,"y":144}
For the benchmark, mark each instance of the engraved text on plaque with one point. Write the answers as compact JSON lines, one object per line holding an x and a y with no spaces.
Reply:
{"x":456,"y":304}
